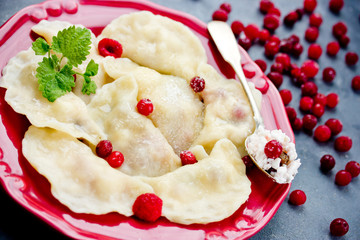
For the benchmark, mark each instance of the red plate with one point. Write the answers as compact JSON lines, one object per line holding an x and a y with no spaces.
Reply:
{"x":32,"y":190}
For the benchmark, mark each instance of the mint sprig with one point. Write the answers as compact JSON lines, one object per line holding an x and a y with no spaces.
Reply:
{"x":74,"y":45}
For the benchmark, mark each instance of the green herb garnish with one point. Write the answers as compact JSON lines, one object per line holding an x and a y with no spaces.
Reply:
{"x":74,"y":45}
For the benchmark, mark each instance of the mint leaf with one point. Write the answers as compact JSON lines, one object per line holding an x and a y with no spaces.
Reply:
{"x":89,"y":86}
{"x":40,"y":46}
{"x":92,"y":68}
{"x":73,"y":43}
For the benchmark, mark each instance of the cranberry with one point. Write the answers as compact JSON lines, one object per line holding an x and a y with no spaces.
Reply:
{"x":320,"y":98}
{"x":197,"y":84}
{"x":332,"y":100}
{"x":275,"y":38}
{"x":318,"y":110}
{"x":315,"y":20}
{"x":300,"y":12}
{"x":264,"y":36}
{"x":311,"y":34}
{"x":245,"y":42}
{"x":297,"y":49}
{"x":297,"y":124}
{"x":277,"y":67}
{"x":297,"y":197}
{"x":298,"y":77}
{"x":271,"y":22}
{"x":276,"y":78}
{"x":314,"y":51}
{"x":353,"y":168}
{"x":342,"y":178}
{"x":329,"y":74}
{"x":284,"y":59}
{"x":310,"y":68}
{"x":104,"y":148}
{"x":344,"y":41}
{"x":332,"y":48}
{"x":271,"y":48}
{"x":293,"y":39}
{"x":306,"y":103}
{"x":310,"y":5}
{"x":187,"y":157}
{"x":237,"y":27}
{"x":265,"y":6}
{"x":110,"y":47}
{"x":351,"y":58}
{"x":339,"y":227}
{"x":226,"y":7}
{"x":274,"y":11}
{"x":322,"y":133}
{"x":309,"y":89}
{"x":262,"y":64}
{"x":291,"y":18}
{"x":339,"y":29}
{"x":327,"y":162}
{"x":355,"y":83}
{"x":335,"y":126}
{"x":286,"y":96}
{"x":273,"y":149}
{"x":115,"y":159}
{"x":145,"y":107}
{"x":248,"y":161}
{"x":291,"y":113}
{"x":309,"y":122}
{"x":343,"y":143}
{"x":252,"y":31}
{"x":285,"y":46}
{"x":147,"y":207}
{"x":220,"y":15}
{"x":336,"y":5}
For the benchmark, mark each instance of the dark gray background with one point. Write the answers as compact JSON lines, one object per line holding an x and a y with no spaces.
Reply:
{"x":326,"y":200}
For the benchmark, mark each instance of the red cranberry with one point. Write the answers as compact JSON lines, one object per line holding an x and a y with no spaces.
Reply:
{"x":310,"y":68}
{"x":115,"y":159}
{"x":342,"y":178}
{"x":318,"y":110}
{"x":148,"y":207}
{"x":351,"y":58}
{"x":297,"y":49}
{"x":275,"y":38}
{"x":271,"y":48}
{"x":336,"y":5}
{"x":315,"y":20}
{"x":314,"y":51}
{"x":309,"y":89}
{"x":310,"y":5}
{"x":344,"y":41}
{"x":339,"y":29}
{"x":297,"y":124}
{"x":237,"y":27}
{"x":187,"y":157}
{"x":335,"y":126}
{"x":298,"y":77}
{"x":274,"y":11}
{"x":248,"y":161}
{"x":300,"y":12}
{"x":355,"y":83}
{"x":145,"y":107}
{"x":309,"y":122}
{"x":327,"y":162}
{"x":306,"y":103}
{"x":226,"y":7}
{"x":293,"y":39}
{"x":110,"y":47}
{"x":264,"y":36}
{"x":197,"y":84}
{"x":220,"y":15}
{"x":276,"y":78}
{"x":273,"y":149}
{"x":322,"y":133}
{"x":343,"y":143}
{"x":252,"y":31}
{"x":297,"y":197}
{"x":277,"y":67}
{"x":339,"y":227}
{"x":291,"y":113}
{"x":104,"y":148}
{"x":271,"y":22}
{"x":245,"y":42}
{"x":291,"y":18}
{"x":285,"y":46}
{"x":332,"y":48}
{"x":329,"y":74}
{"x":320,"y":98}
{"x":286,"y":96}
{"x":332,"y":100}
{"x":262,"y":64}
{"x":284,"y":59}
{"x":311,"y":34}
{"x":266,"y":5}
{"x":353,"y":168}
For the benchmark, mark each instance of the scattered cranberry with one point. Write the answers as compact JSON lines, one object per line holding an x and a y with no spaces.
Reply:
{"x":344,"y":41}
{"x":339,"y":227}
{"x":297,"y":49}
{"x":342,"y":178}
{"x":275,"y":38}
{"x":309,"y":89}
{"x":351,"y":58}
{"x":335,"y":126}
{"x":315,"y":20}
{"x":336,"y":5}
{"x":332,"y":48}
{"x":314,"y":51}
{"x":147,"y":207}
{"x":264,"y":36}
{"x":355,"y":83}
{"x":115,"y":159}
{"x":266,"y":5}
{"x":237,"y":27}
{"x":271,"y":49}
{"x":353,"y":168}
{"x":245,"y":42}
{"x":320,"y":98}
{"x":277,"y":67}
{"x":248,"y":161}
{"x":310,"y":5}
{"x":286,"y":96}
{"x":318,"y":110}
{"x":187,"y":157}
{"x":110,"y":47}
{"x":284,"y":59}
{"x":262,"y":64}
{"x":311,"y":34}
{"x":329,"y":74}
{"x":271,"y":22}
{"x":291,"y":113}
{"x":220,"y":15}
{"x":197,"y":84}
{"x":293,"y":39}
{"x":252,"y":31}
{"x":297,"y":197}
{"x":285,"y":46}
{"x":310,"y":68}
{"x":309,"y":122}
{"x":273,"y":149}
{"x":306,"y":103}
{"x":327,"y":162}
{"x":332,"y":100}
{"x":300,"y":12}
{"x":322,"y":133}
{"x":226,"y":7}
{"x":104,"y":148}
{"x":343,"y":143}
{"x":297,"y":124}
{"x":339,"y":29}
{"x":276,"y":78}
{"x":145,"y":107}
{"x":291,"y":18}
{"x":275,"y":11}
{"x":298,"y":76}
